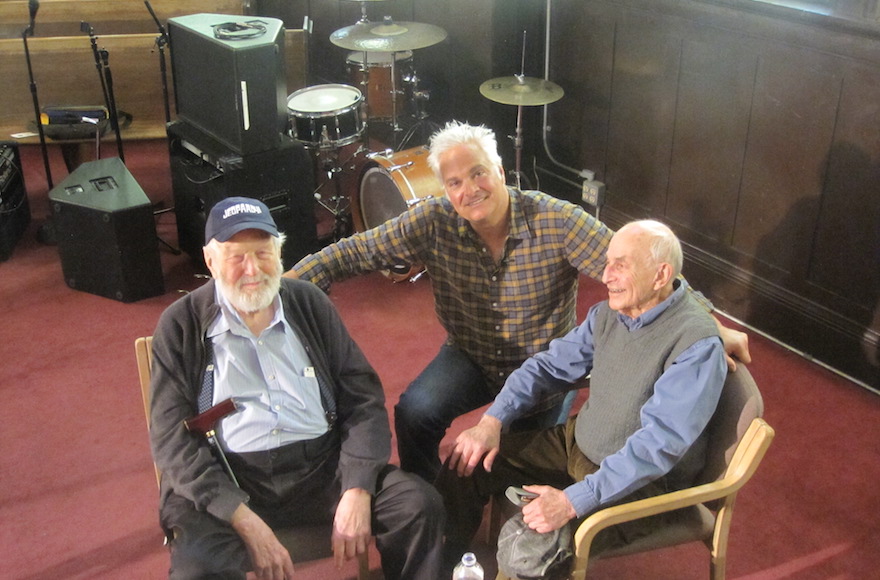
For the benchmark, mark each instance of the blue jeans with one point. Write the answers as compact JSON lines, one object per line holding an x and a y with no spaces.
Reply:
{"x":450,"y":386}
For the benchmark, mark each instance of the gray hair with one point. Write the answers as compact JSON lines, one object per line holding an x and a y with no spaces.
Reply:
{"x":456,"y":133}
{"x":665,"y":246}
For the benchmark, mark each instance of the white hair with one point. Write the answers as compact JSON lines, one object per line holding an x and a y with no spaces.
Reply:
{"x":456,"y":133}
{"x":664,"y":245}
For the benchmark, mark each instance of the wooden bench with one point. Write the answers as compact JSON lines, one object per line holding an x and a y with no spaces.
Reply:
{"x":63,"y":17}
{"x":65,"y":72}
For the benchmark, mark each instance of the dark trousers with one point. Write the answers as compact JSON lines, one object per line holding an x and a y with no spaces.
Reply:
{"x":450,"y":386}
{"x":298,"y":484}
{"x":546,"y":457}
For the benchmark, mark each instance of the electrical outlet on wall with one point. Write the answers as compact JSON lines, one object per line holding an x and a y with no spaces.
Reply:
{"x":593,"y":193}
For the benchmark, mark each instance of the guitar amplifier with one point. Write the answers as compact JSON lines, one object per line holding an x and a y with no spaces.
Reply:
{"x":15,"y":213}
{"x":203,"y":172}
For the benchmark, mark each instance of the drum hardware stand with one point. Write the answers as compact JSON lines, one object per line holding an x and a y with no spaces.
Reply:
{"x":33,"y":5}
{"x":338,"y":204}
{"x":420,"y":97}
{"x":365,"y":91}
{"x":394,"y":92}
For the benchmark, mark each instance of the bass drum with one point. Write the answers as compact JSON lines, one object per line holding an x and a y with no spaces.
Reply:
{"x":390,"y":185}
{"x":325,"y":116}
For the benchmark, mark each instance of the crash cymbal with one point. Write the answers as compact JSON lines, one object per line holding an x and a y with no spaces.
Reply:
{"x":521,"y":90}
{"x":387,"y":36}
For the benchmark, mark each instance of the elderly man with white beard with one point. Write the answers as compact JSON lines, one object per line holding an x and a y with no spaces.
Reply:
{"x":310,"y":438}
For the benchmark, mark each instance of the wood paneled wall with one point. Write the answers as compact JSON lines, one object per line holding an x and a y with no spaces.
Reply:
{"x":756,"y":135}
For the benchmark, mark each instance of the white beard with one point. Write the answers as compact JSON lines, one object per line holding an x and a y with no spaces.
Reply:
{"x":248,"y":302}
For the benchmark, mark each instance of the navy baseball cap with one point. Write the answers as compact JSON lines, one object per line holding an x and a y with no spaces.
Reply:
{"x":234,"y":214}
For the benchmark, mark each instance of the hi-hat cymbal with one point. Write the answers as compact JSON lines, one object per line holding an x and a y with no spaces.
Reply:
{"x":387,"y":36}
{"x":521,"y":90}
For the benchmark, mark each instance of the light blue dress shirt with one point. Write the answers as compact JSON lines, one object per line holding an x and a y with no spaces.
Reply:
{"x":684,"y":399}
{"x":271,"y":379}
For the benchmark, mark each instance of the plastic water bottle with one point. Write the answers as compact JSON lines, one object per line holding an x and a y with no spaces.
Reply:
{"x":468,"y":568}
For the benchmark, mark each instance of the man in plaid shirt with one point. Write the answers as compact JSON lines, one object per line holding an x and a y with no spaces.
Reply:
{"x":504,"y":268}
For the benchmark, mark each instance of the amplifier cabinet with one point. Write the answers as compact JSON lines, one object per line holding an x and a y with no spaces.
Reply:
{"x":15,"y":212}
{"x":203,"y":172}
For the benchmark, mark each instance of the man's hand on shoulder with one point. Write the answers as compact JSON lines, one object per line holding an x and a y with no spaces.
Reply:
{"x":291,"y":274}
{"x":736,"y":345}
{"x":351,"y":525}
{"x":270,"y":559}
{"x":471,"y":445}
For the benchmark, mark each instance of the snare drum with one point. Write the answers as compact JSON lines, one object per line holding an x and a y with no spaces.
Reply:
{"x":326,"y":116}
{"x":391,"y":184}
{"x":378,"y":84}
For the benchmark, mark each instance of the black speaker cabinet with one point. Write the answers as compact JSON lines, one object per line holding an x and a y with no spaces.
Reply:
{"x":204,"y":172}
{"x":15,"y":213}
{"x":229,"y":78}
{"x":106,"y":233}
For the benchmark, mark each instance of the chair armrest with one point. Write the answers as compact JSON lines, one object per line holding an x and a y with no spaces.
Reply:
{"x":749,"y":453}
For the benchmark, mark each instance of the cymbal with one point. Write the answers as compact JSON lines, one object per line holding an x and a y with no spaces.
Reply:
{"x":521,"y":90}
{"x":387,"y":36}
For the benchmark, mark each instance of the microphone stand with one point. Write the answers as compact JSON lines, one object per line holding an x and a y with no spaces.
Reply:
{"x":161,"y":42}
{"x":114,"y":114}
{"x":103,"y":69}
{"x":33,"y":85}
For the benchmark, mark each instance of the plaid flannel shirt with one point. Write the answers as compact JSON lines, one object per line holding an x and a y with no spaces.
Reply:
{"x":499,"y":314}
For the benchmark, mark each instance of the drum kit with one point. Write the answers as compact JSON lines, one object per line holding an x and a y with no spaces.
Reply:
{"x":329,"y":118}
{"x":333,"y":121}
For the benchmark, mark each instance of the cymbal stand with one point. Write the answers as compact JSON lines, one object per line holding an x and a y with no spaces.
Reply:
{"x":394,"y":124}
{"x":517,"y":137}
{"x":422,"y":122}
{"x":363,"y":13}
{"x":517,"y":147}
{"x":365,"y":91}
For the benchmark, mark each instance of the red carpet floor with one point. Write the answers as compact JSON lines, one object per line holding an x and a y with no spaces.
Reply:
{"x":78,"y":496}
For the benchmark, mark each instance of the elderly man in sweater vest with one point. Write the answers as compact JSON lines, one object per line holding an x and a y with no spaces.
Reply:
{"x":657,"y":367}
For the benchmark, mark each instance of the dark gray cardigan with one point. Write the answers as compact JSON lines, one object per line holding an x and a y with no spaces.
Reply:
{"x":188,"y":467}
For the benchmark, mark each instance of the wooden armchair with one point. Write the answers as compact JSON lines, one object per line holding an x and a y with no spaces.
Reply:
{"x":739,"y":438}
{"x":304,"y":543}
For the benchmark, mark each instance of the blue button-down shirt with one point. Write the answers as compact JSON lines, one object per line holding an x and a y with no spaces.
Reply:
{"x":684,"y":399}
{"x":271,"y":379}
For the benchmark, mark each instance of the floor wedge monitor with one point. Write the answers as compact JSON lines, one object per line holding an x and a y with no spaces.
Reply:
{"x":106,"y":233}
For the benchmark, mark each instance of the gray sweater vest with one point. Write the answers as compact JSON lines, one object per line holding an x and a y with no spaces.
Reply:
{"x":625,"y":367}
